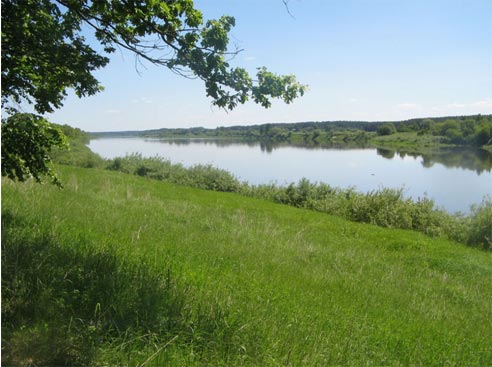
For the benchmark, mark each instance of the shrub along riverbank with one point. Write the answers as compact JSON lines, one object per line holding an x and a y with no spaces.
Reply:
{"x":384,"y":207}
{"x":120,"y":270}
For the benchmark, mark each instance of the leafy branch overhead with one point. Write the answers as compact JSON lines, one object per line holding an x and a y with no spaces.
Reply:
{"x":44,"y":52}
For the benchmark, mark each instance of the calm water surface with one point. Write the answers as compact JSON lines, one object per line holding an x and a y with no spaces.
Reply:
{"x":454,"y":179}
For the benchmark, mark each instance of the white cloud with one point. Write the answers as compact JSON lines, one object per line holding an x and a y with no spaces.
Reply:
{"x":482,"y":106}
{"x":407,"y":106}
{"x":142,"y":100}
{"x":486,"y":103}
{"x":112,"y":111}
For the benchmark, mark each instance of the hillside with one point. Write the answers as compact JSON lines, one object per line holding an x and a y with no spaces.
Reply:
{"x":117,"y":269}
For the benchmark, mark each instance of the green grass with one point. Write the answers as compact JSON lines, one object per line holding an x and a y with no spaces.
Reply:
{"x":383,"y":207}
{"x":411,"y":141}
{"x":121,"y":270}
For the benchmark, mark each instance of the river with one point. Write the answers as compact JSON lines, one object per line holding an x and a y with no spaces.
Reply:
{"x":454,"y":179}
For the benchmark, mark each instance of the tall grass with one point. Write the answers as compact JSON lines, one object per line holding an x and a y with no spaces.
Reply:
{"x":116,"y":270}
{"x":199,"y":176}
{"x":479,"y":229}
{"x":383,"y":207}
{"x":62,"y":301}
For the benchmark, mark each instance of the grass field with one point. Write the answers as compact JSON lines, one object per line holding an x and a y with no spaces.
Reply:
{"x":119,"y":270}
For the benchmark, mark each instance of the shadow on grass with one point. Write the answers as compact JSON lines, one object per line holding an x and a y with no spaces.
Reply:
{"x":61,"y":303}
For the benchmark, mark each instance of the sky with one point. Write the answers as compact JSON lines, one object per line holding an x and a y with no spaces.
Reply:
{"x":371,"y":60}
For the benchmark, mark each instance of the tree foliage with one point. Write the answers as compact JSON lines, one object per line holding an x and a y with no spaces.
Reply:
{"x":26,"y":143}
{"x":44,"y":52}
{"x":386,"y":129}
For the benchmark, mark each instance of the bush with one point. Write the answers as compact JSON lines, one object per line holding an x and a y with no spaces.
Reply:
{"x":483,"y":136}
{"x":383,"y":207}
{"x":211,"y":178}
{"x":199,"y":176}
{"x":480,"y":225}
{"x":386,"y":129}
{"x":454,"y":136}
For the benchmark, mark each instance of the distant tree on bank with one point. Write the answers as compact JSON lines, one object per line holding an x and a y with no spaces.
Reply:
{"x":386,"y":129}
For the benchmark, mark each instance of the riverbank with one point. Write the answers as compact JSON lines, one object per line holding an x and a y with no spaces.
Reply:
{"x":240,"y":281}
{"x":386,"y":207}
{"x":417,"y":134}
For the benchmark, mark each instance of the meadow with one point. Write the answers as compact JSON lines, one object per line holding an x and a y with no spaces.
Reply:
{"x":385,"y":207}
{"x":117,"y":269}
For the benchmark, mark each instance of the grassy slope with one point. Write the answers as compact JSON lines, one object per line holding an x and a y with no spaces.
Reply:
{"x":292,"y":287}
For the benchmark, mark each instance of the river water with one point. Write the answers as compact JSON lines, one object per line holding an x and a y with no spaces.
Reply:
{"x":454,"y":179}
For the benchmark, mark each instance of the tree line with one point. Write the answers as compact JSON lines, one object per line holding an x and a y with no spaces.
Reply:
{"x":475,"y":130}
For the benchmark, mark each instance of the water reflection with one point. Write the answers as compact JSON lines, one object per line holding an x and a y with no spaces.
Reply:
{"x":203,"y":141}
{"x":478,"y":160}
{"x":461,"y":178}
{"x":266,"y":146}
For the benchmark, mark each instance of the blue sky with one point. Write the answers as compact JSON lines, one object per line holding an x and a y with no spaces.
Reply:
{"x":362,"y":59}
